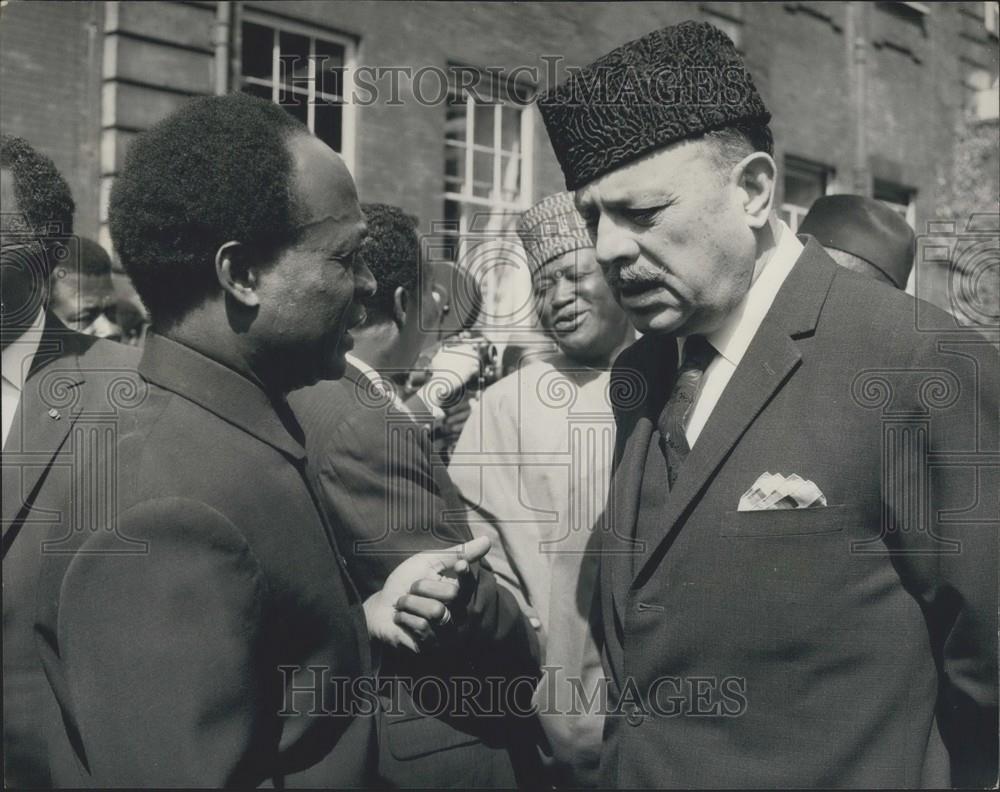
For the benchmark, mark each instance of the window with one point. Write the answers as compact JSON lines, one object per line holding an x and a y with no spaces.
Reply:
{"x":991,"y":17}
{"x":487,"y":158}
{"x":805,"y":181}
{"x":897,"y":198}
{"x":981,"y":93}
{"x":487,"y":184}
{"x":304,"y":73}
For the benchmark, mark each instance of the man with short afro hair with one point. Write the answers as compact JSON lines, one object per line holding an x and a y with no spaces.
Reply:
{"x":177,"y":667}
{"x":392,"y":252}
{"x":42,"y":193}
{"x":188,"y":190}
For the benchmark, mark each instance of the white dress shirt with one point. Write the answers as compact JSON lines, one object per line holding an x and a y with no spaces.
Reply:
{"x":380,"y":383}
{"x":17,"y":360}
{"x":732,"y":338}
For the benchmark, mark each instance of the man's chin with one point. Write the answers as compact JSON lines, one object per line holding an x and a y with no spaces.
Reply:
{"x":657,"y":323}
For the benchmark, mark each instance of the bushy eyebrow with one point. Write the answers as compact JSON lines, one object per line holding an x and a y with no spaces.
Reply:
{"x":648,"y":198}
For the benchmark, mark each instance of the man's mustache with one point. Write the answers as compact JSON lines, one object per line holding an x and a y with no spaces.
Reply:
{"x":633,"y":278}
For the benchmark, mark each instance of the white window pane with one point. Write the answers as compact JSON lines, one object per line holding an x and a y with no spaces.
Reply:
{"x":257,"y":50}
{"x":802,"y":189}
{"x":510,"y":177}
{"x":295,"y":58}
{"x":482,"y":185}
{"x":329,"y":68}
{"x":328,"y":123}
{"x":510,"y":135}
{"x":454,"y":124}
{"x":484,"y":126}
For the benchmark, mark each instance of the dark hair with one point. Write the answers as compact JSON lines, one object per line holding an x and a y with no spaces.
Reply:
{"x":736,"y":141}
{"x":93,"y":259}
{"x":42,"y":194}
{"x":392,"y":252}
{"x":217,"y":170}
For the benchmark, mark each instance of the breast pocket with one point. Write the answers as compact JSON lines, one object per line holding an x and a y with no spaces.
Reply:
{"x":786,"y":522}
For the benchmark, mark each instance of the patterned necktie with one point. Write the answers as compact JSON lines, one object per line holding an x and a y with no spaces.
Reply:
{"x":698,"y":353}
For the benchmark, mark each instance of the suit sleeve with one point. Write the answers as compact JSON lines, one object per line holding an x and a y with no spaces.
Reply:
{"x":383,"y":492}
{"x":160,"y":652}
{"x":951,"y":563}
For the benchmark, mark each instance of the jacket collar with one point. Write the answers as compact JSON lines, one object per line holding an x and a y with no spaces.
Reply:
{"x":770,"y":361}
{"x":235,"y":398}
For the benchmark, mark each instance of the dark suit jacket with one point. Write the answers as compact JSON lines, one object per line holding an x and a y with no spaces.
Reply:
{"x":852,"y":645}
{"x":387,"y":500}
{"x":177,"y":636}
{"x":75,"y":384}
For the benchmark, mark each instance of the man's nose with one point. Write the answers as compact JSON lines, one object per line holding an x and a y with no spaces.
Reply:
{"x":563,"y":293}
{"x":613,"y":244}
{"x":365,"y":283}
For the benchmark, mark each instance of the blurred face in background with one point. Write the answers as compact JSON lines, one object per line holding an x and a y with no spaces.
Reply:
{"x":85,"y":303}
{"x":578,"y":309}
{"x":23,"y":266}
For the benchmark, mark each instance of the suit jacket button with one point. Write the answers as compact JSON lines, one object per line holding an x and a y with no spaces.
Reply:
{"x":634,"y":716}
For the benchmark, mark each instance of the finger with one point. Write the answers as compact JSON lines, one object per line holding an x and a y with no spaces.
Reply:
{"x":415,"y":624}
{"x":476,"y":549}
{"x":401,"y":637}
{"x":469,"y":551}
{"x":426,"y":608}
{"x":441,"y":589}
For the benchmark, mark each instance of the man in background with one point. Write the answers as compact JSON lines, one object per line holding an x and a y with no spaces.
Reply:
{"x":533,"y":465}
{"x":51,"y":376}
{"x":83,"y":296}
{"x":863,"y":235}
{"x":387,"y":496}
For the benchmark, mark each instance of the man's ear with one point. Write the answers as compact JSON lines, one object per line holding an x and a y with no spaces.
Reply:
{"x":400,"y":302}
{"x":237,"y":274}
{"x":755,"y":179}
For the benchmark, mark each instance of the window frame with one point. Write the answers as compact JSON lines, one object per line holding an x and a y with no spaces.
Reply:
{"x":884,"y":186}
{"x":278,"y":25}
{"x":466,"y":199}
{"x":802,"y":165}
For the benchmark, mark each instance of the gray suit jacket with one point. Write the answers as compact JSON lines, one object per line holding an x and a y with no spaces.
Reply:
{"x":387,"y":499}
{"x":206,"y":632}
{"x":851,"y":645}
{"x":74,"y":390}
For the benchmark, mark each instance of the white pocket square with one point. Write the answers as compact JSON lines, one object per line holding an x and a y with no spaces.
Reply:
{"x":774,"y":491}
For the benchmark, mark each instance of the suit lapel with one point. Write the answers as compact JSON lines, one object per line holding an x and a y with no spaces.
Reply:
{"x":769,"y":363}
{"x":41,"y":423}
{"x":653,"y":368}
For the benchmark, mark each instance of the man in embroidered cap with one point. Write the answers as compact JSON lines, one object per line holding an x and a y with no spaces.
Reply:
{"x":802,"y":607}
{"x":533,"y":463}
{"x":863,"y":235}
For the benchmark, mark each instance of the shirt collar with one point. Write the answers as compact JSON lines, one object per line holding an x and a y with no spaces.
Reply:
{"x":732,"y":338}
{"x":235,"y":398}
{"x":18,"y":356}
{"x":381,"y":384}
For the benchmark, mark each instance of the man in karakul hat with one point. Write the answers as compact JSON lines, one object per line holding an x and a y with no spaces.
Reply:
{"x":863,"y":235}
{"x":533,"y":462}
{"x":803,"y":608}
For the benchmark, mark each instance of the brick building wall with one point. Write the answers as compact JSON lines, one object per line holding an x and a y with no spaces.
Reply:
{"x":50,"y":56}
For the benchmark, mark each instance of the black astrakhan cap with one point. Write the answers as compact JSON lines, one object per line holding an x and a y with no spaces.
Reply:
{"x":676,"y":83}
